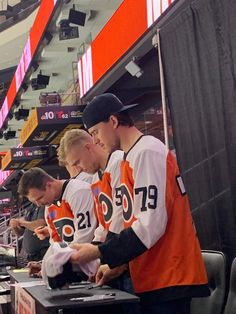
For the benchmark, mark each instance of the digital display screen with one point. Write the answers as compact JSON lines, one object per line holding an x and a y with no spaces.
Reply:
{"x":4,"y":175}
{"x":23,"y":65}
{"x":94,"y":64}
{"x":3,"y":112}
{"x":29,"y":152}
{"x":43,"y":17}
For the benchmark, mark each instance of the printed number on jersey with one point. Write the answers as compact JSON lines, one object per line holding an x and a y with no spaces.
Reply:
{"x":148,"y":196}
{"x":83,"y":220}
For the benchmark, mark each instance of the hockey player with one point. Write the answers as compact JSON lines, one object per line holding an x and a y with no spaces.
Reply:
{"x":80,"y":150}
{"x":69,"y":205}
{"x":159,"y":239}
{"x":75,"y":172}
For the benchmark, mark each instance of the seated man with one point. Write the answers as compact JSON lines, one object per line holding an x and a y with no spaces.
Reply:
{"x":34,"y":217}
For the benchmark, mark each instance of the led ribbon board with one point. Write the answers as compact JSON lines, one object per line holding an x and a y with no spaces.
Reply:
{"x":43,"y":17}
{"x":24,"y":157}
{"x":117,"y":37}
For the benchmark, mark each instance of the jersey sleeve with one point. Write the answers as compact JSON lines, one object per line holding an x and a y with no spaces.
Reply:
{"x":85,"y":222}
{"x":149,"y":211}
{"x":150,"y":197}
{"x":100,"y":234}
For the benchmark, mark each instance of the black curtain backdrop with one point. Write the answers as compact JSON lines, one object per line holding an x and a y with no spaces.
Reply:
{"x":199,"y":57}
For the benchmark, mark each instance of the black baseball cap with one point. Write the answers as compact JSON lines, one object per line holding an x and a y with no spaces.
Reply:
{"x":101,"y":107}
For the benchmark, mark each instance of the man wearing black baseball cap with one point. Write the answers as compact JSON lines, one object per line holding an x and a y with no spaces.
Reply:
{"x":103,"y":106}
{"x":159,"y":240}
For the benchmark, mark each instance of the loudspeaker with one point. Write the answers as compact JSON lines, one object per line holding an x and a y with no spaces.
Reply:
{"x":64,"y":24}
{"x":68,"y":33}
{"x":21,"y":114}
{"x":77,"y":17}
{"x":35,"y":85}
{"x":43,"y":79}
{"x":9,"y":135}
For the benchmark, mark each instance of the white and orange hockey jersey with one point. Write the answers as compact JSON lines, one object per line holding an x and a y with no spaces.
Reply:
{"x":159,"y":238}
{"x":73,"y":218}
{"x":109,"y":212}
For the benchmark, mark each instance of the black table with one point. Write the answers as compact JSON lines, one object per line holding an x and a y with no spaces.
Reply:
{"x":65,"y":301}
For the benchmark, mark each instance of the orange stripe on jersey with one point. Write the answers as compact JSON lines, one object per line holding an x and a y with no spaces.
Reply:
{"x":126,"y":187}
{"x":102,"y":192}
{"x":96,"y":188}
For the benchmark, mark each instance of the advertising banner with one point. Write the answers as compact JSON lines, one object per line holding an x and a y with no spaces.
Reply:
{"x":46,"y":125}
{"x":24,"y":157}
{"x":25,"y":303}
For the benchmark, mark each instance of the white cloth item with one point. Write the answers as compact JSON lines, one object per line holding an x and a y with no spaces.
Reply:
{"x":57,"y":255}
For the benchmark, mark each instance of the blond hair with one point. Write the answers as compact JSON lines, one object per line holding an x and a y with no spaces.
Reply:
{"x":61,"y":153}
{"x":71,"y":138}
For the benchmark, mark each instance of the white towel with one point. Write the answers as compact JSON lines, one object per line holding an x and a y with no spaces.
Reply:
{"x":57,"y":255}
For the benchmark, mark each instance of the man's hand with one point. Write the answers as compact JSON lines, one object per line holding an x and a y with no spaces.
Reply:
{"x":42,"y":232}
{"x":105,"y":274}
{"x":14,"y":223}
{"x":34,"y":268}
{"x":85,"y":252}
{"x":16,"y":227}
{"x":22,"y":221}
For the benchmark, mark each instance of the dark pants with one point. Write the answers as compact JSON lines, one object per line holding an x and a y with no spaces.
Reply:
{"x":124,"y":283}
{"x":37,"y":256}
{"x":179,"y":306}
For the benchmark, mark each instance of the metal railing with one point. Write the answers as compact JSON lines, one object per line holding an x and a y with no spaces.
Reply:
{"x":6,"y":235}
{"x":2,"y":221}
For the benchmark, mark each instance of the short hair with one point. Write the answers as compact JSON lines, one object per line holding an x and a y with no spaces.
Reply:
{"x":34,"y":178}
{"x":61,"y":153}
{"x":123,"y":118}
{"x":73,"y":137}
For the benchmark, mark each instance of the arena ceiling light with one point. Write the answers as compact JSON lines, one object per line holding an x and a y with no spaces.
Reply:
{"x":40,"y":82}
